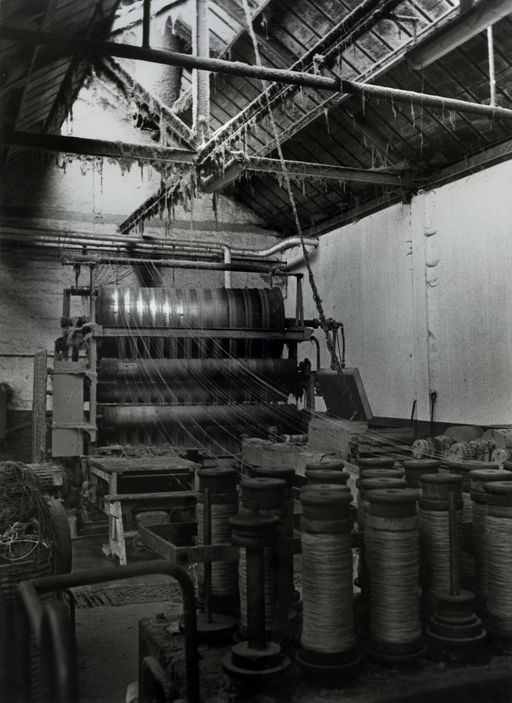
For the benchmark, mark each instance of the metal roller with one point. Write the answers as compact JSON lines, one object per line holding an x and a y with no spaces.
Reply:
{"x":234,"y":418}
{"x":215,"y":370}
{"x":208,"y":308}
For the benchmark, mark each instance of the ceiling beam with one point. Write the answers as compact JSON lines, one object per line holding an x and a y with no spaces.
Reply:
{"x":172,"y":122}
{"x":95,"y":147}
{"x":467,"y":25}
{"x":359,"y":21}
{"x":301,"y":169}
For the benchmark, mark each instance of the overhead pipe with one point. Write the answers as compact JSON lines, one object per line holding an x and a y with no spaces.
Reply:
{"x":75,"y":44}
{"x":227,"y":260}
{"x":116,"y":242}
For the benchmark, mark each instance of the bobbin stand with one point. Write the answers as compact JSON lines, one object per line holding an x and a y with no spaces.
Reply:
{"x":454,"y":631}
{"x":212,"y":628}
{"x":257,"y":657}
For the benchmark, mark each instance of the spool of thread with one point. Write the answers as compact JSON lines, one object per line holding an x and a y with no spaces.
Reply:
{"x":431,"y":447}
{"x":268,"y":497}
{"x":286,"y":530}
{"x":222,"y":486}
{"x":336,"y":477}
{"x":499,"y":562}
{"x":391,"y":535}
{"x":365,"y":486}
{"x":328,"y":640}
{"x":478,"y":478}
{"x":415,"y":468}
{"x":434,"y":521}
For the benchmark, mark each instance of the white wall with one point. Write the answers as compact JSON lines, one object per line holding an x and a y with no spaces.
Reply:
{"x":425,"y":293}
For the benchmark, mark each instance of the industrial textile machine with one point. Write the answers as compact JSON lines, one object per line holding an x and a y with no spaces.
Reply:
{"x":189,"y":368}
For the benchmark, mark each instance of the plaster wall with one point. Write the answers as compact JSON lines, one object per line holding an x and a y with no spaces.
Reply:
{"x":425,"y":293}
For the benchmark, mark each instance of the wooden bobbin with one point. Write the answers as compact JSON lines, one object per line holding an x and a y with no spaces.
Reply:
{"x":415,"y":468}
{"x":391,"y":533}
{"x":328,"y":640}
{"x":498,"y":620}
{"x":478,"y":478}
{"x":434,"y":506}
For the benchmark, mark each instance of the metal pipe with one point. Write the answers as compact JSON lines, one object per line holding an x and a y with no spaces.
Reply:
{"x":169,"y":263}
{"x":227,"y":260}
{"x":155,"y":245}
{"x":30,"y":590}
{"x":75,"y":44}
{"x":146,"y":23}
{"x":173,"y":58}
{"x":492,"y":67}
{"x":201,"y":78}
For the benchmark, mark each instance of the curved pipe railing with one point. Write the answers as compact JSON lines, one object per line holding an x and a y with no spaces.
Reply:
{"x":49,"y":621}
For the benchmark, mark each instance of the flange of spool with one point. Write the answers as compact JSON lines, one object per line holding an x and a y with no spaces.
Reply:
{"x":372,"y":484}
{"x":263,"y":493}
{"x":382,"y":473}
{"x":221,"y":479}
{"x":479,"y":477}
{"x":333,"y":477}
{"x":326,"y":510}
{"x":284,"y":473}
{"x":394,"y":503}
{"x":415,"y":468}
{"x":436,"y":490}
{"x":376,"y":462}
{"x":464,"y":466}
{"x":329,"y":464}
{"x":256,"y":657}
{"x":455,"y":627}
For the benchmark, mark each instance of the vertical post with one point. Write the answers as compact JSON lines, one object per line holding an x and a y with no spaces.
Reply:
{"x":146,"y":23}
{"x":201,"y":79}
{"x":207,"y":540}
{"x":492,"y":70}
{"x":299,"y":303}
{"x":227,"y":260}
{"x":92,"y":359}
{"x":453,"y":546}
{"x":255,"y":566}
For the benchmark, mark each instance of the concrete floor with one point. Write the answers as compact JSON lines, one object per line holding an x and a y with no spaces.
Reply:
{"x":107,"y":635}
